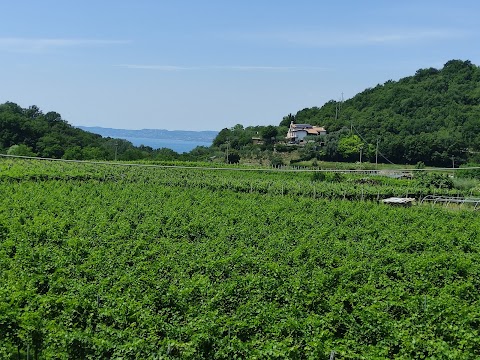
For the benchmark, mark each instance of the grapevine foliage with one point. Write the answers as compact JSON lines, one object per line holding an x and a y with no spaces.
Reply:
{"x":102,"y":262}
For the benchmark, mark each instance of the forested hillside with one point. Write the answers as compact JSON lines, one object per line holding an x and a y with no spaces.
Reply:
{"x":431,"y":117}
{"x":30,"y":132}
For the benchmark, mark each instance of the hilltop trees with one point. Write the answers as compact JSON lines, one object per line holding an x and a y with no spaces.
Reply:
{"x":46,"y":135}
{"x":287,"y":120}
{"x":30,"y":132}
{"x":239,"y":137}
{"x":431,"y":116}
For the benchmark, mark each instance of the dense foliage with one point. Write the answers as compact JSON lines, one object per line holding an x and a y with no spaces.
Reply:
{"x":433,"y":117}
{"x":30,"y":132}
{"x":102,"y":261}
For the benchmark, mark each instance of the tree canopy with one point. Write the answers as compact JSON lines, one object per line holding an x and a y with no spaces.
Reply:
{"x":431,"y":116}
{"x":30,"y":132}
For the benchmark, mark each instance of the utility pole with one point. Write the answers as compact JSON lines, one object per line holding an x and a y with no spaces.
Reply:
{"x":338,"y":108}
{"x":361,"y":149}
{"x":228,"y":144}
{"x":116,"y":147}
{"x":453,"y":165}
{"x":376,"y":156}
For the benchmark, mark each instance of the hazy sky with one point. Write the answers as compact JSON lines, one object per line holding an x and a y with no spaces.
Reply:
{"x":210,"y":64}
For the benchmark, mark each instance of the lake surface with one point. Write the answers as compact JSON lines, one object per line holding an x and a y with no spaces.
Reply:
{"x":179,"y":146}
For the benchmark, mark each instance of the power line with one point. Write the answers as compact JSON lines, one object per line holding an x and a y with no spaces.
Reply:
{"x":280,"y":169}
{"x":361,"y":137}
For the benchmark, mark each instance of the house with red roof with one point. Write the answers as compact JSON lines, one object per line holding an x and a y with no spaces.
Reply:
{"x":297,"y":132}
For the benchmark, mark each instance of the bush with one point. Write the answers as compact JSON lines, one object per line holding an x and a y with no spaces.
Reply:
{"x":233,"y":158}
{"x":20,"y":150}
{"x":465,"y":184}
{"x":327,"y":176}
{"x":467,"y":172}
{"x":336,"y":177}
{"x":284,"y":148}
{"x":438,"y":181}
{"x":276,"y":161}
{"x":420,"y":165}
{"x":318,"y":176}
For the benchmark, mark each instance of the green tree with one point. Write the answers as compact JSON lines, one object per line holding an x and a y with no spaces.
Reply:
{"x":287,"y":120}
{"x":20,"y":150}
{"x":276,"y":160}
{"x":269,"y":134}
{"x":223,"y":136}
{"x":93,"y":153}
{"x":132,"y":154}
{"x":233,"y":158}
{"x":165,"y":154}
{"x":349,"y":147}
{"x":73,"y":153}
{"x":309,"y":151}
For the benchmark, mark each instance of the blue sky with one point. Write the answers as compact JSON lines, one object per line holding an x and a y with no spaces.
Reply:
{"x":207,"y":65}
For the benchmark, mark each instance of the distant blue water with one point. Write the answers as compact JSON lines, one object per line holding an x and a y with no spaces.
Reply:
{"x":179,"y":146}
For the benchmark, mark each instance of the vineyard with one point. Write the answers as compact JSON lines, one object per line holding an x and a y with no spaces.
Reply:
{"x":102,"y":261}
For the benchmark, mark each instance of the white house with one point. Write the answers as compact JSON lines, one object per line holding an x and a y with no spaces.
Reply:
{"x":297,"y":132}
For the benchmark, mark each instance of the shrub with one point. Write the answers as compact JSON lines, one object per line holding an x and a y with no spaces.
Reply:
{"x":276,"y":161}
{"x":318,"y":176}
{"x":20,"y":150}
{"x":438,"y":181}
{"x":467,"y":171}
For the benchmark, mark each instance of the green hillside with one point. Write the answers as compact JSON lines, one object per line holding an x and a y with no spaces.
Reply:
{"x":431,"y":117}
{"x":30,"y":132}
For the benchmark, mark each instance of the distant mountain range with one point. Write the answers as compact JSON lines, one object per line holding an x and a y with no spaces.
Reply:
{"x":202,"y":136}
